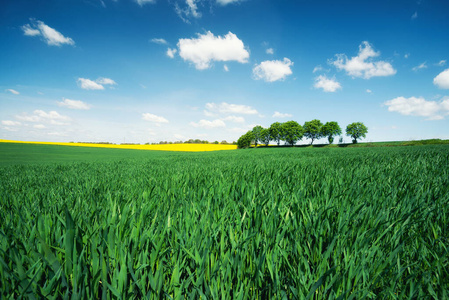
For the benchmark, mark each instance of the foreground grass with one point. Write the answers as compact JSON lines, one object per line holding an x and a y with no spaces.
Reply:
{"x":258,"y":223}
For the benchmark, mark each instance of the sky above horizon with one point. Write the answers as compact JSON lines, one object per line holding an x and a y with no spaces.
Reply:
{"x":139,"y":71}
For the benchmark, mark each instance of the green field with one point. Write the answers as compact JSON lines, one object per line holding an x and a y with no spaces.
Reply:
{"x":293,"y":223}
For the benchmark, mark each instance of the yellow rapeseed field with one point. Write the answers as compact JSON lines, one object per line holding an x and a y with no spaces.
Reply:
{"x":166,"y":147}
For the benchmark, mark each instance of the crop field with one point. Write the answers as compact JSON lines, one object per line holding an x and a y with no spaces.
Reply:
{"x":270,"y":223}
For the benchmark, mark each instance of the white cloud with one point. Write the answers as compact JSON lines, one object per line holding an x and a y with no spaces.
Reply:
{"x":226,"y":2}
{"x":270,"y":51}
{"x":281,"y":115}
{"x":154,"y":118}
{"x":369,"y":91}
{"x":415,"y":15}
{"x":51,"y":117}
{"x":329,"y":85}
{"x":159,"y":41}
{"x":413,"y":106}
{"x":10,"y":123}
{"x":406,"y":55}
{"x":74,"y":104}
{"x":51,"y":36}
{"x":273,"y":70}
{"x":105,"y":81}
{"x":363,"y":65}
{"x":441,"y":63}
{"x":12,"y":91}
{"x":88,"y":84}
{"x":179,"y":136}
{"x":317,"y":68}
{"x":442,"y":80}
{"x":234,"y":119}
{"x":190,"y":10}
{"x":227,"y":108}
{"x":171,"y":52}
{"x":143,"y":2}
{"x":421,"y":66}
{"x":205,"y":49}
{"x":209,"y":124}
{"x":39,"y":126}
{"x":225,"y":67}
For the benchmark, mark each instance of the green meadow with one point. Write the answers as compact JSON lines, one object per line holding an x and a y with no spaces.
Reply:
{"x":266,"y":223}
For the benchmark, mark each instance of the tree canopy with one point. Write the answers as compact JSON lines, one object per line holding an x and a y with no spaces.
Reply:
{"x":292,"y":132}
{"x":312,"y":130}
{"x":329,"y":130}
{"x":356,"y":130}
{"x":276,"y":132}
{"x":245,"y":140}
{"x":257,"y":132}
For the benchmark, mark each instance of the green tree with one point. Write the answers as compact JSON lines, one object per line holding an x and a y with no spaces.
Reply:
{"x":245,"y":140}
{"x":356,"y":130}
{"x":312,"y":130}
{"x":291,"y":132}
{"x":276,"y":132}
{"x":330,"y":129}
{"x":265,"y":136}
{"x":257,"y":131}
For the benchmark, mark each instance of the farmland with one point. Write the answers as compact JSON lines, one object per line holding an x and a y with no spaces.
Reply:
{"x":295,"y":223}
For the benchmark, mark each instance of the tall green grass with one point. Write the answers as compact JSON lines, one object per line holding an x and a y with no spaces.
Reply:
{"x":306,"y":223}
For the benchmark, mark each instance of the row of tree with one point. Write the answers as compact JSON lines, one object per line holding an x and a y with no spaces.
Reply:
{"x":290,"y":132}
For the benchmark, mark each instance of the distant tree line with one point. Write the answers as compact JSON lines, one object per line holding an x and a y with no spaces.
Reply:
{"x":291,"y":132}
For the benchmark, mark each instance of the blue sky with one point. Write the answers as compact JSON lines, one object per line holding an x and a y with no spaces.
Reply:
{"x":168,"y":70}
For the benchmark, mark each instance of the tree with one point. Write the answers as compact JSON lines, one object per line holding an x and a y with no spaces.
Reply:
{"x":330,"y":129}
{"x":245,"y":140}
{"x":257,"y":131}
{"x":265,"y":136}
{"x":312,"y":130}
{"x":276,"y":132}
{"x":291,"y":132}
{"x":356,"y":130}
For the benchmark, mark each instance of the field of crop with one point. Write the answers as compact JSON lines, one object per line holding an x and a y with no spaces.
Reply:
{"x":293,"y":223}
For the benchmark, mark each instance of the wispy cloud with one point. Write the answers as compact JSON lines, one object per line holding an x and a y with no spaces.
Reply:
{"x":159,"y":41}
{"x":281,"y":115}
{"x":87,"y":84}
{"x":12,"y":91}
{"x":74,"y":104}
{"x":51,"y":117}
{"x":226,"y":108}
{"x":50,"y":35}
{"x":143,"y":2}
{"x":421,"y":66}
{"x":208,"y":124}
{"x":415,"y":15}
{"x":154,"y":118}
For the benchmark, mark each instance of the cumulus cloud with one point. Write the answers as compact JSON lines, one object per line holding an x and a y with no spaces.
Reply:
{"x":12,"y":91}
{"x":363,"y":65}
{"x":159,"y":41}
{"x":10,"y":123}
{"x":281,"y":115}
{"x":208,"y":124}
{"x":98,"y":84}
{"x":154,"y":118}
{"x":74,"y":104}
{"x":273,"y":70}
{"x":421,"y":66}
{"x":39,"y":126}
{"x":317,"y":69}
{"x":51,"y":117}
{"x":205,"y":49}
{"x":421,"y":107}
{"x":329,"y":85}
{"x":226,"y":108}
{"x":50,"y":35}
{"x":143,"y":2}
{"x":171,"y":52}
{"x":270,"y":51}
{"x":442,"y":80}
